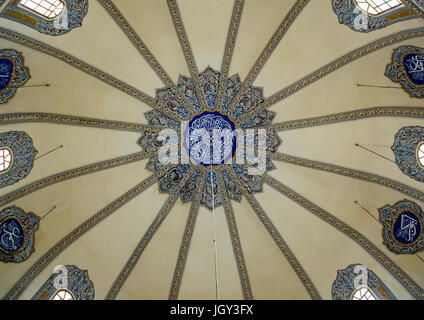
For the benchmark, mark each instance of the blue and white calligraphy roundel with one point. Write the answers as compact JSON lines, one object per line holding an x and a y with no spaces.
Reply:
{"x":11,"y":235}
{"x":407,"y":227}
{"x":414,"y":67}
{"x":210,"y":139}
{"x":6,"y":71}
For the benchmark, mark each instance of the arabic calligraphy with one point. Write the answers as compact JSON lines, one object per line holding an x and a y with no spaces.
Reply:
{"x":6,"y":69}
{"x":414,"y":66}
{"x":11,"y":235}
{"x":209,"y":139}
{"x":407,"y":228}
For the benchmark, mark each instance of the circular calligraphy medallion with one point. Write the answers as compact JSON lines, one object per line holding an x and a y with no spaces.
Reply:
{"x":6,"y":71}
{"x":407,"y":228}
{"x":11,"y":235}
{"x":210,"y":139}
{"x":414,"y":67}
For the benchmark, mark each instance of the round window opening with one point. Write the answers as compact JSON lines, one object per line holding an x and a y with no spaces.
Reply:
{"x":420,"y":154}
{"x":5,"y":159}
{"x":363,"y":293}
{"x":63,"y":295}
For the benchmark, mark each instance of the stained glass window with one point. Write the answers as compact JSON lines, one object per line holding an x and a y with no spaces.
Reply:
{"x":363,"y":293}
{"x":63,"y":295}
{"x":377,"y":7}
{"x":49,"y":9}
{"x":5,"y":159}
{"x":420,"y":154}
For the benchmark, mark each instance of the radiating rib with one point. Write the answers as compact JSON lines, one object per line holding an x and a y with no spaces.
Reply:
{"x":352,"y":173}
{"x":73,"y":173}
{"x":9,"y":118}
{"x":185,"y":46}
{"x":30,"y":275}
{"x":306,"y":281}
{"x":141,"y":47}
{"x":229,"y":47}
{"x":336,"y":64}
{"x":238,"y":252}
{"x":185,"y":244}
{"x":80,"y":65}
{"x":269,"y":49}
{"x":135,"y":256}
{"x":399,"y":274}
{"x":407,"y":112}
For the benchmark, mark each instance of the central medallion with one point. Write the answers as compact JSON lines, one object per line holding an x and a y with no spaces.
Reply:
{"x":211,"y":136}
{"x":210,"y":139}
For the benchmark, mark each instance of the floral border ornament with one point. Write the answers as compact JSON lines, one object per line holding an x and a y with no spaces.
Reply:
{"x":389,"y":216}
{"x":28,"y":224}
{"x":69,"y":278}
{"x":405,"y":147}
{"x":354,"y":277}
{"x":71,"y":17}
{"x":351,"y":15}
{"x":397,"y":72}
{"x":19,"y":74}
{"x":23,"y":156}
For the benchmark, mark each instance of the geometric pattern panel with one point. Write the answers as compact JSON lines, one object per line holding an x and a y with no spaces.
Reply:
{"x":403,"y":227}
{"x":23,"y":155}
{"x":407,"y":148}
{"x":16,"y":234}
{"x":13,"y":73}
{"x":68,"y":279}
{"x":407,"y":68}
{"x":356,"y":277}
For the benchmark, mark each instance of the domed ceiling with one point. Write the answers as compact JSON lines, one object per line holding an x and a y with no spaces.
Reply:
{"x":338,"y":107}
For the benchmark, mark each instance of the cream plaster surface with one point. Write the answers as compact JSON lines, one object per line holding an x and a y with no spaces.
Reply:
{"x":314,"y":39}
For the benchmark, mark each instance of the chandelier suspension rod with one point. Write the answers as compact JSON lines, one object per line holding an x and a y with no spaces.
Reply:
{"x":214,"y":238}
{"x":373,"y":152}
{"x":376,"y":86}
{"x":53,"y":208}
{"x":61,"y":146}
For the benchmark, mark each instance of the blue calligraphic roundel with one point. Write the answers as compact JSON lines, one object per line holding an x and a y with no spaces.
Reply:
{"x":11,"y":235}
{"x":6,"y":71}
{"x":210,"y":139}
{"x":407,"y":227}
{"x":414,"y":67}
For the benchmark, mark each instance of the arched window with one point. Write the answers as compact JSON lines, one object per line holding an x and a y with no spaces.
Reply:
{"x":357,"y":282}
{"x":49,"y":9}
{"x":363,"y":293}
{"x":77,"y":286}
{"x":5,"y":159}
{"x":377,"y":7}
{"x":420,"y":154}
{"x":63,"y":295}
